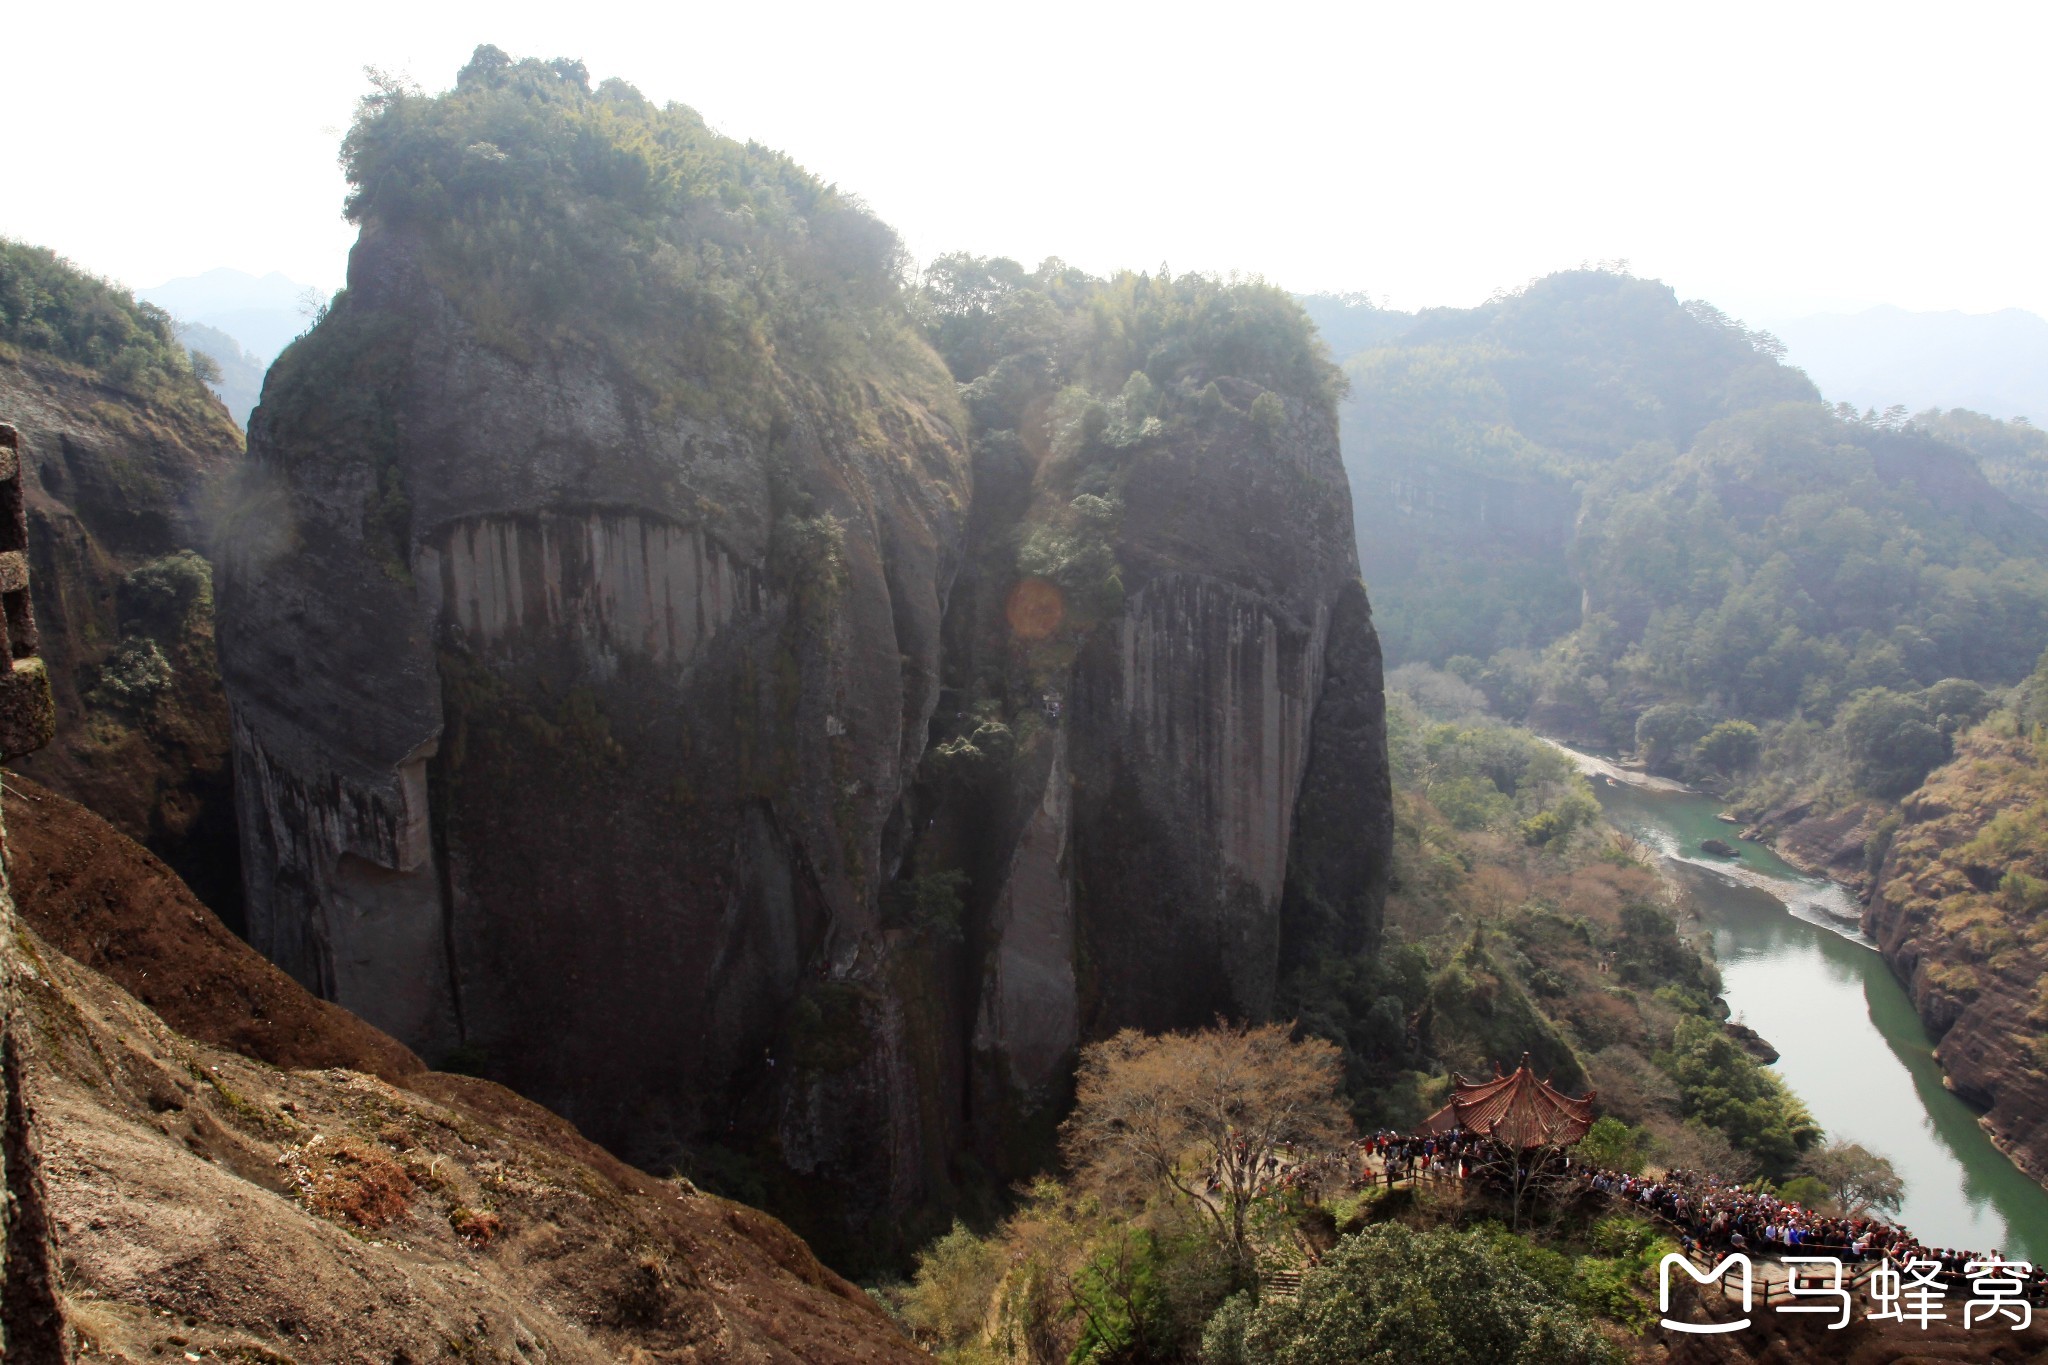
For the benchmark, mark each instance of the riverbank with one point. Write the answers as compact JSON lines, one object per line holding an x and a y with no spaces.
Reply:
{"x":1798,"y":968}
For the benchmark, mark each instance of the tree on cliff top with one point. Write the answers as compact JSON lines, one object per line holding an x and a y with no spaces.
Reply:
{"x":1856,"y":1178}
{"x":552,"y":213}
{"x":1095,"y":333}
{"x":1181,"y":1110}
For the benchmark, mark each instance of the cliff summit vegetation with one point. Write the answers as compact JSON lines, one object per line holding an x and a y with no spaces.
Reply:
{"x":555,"y":214}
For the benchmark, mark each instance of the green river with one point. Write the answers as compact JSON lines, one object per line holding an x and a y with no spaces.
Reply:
{"x":1799,"y":970}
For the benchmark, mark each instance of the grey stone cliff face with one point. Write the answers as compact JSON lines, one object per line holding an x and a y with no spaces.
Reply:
{"x":568,"y":773}
{"x":1197,"y":718}
{"x":1210,"y":807}
{"x":600,"y":767}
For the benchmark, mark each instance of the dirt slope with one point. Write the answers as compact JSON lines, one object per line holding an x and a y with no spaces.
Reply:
{"x":109,"y":903}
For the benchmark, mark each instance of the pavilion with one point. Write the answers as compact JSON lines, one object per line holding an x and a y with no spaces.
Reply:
{"x":1518,"y":1111}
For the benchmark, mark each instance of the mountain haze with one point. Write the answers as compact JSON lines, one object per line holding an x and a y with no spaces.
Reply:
{"x":261,"y":312}
{"x":1995,"y":363}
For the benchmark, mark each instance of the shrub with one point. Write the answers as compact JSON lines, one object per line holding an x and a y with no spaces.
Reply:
{"x":1612,"y":1145}
{"x":1391,"y":1296}
{"x":1730,"y":746}
{"x":135,"y":672}
{"x":1889,"y":744}
{"x":948,"y":1300}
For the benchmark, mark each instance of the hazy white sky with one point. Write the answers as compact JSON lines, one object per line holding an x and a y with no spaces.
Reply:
{"x":1777,"y":158}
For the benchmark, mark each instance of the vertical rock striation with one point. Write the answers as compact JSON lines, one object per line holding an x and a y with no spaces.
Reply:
{"x":577,"y":643}
{"x":1195,"y":717}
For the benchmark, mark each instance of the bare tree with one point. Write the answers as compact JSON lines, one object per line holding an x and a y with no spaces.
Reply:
{"x":1858,"y":1179}
{"x":1536,"y":1179}
{"x":1203,"y":1116}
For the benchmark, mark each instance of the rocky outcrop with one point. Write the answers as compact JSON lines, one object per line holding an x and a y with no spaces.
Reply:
{"x":583,"y":683}
{"x":1824,"y":841}
{"x":1957,"y":910}
{"x":31,"y":1314}
{"x":1198,"y":715}
{"x":584,"y":773}
{"x":1160,"y":761}
{"x":118,"y":491}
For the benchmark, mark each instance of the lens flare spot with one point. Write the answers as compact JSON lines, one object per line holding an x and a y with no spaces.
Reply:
{"x":1035,"y":609}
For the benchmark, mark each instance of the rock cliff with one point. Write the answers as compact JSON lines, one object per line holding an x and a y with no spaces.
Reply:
{"x":586,"y":646}
{"x":575,"y":659}
{"x":120,"y":462}
{"x":1160,"y":760}
{"x":1958,"y":910}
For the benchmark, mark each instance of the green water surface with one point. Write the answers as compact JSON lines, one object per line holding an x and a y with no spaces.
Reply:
{"x":1799,"y":971}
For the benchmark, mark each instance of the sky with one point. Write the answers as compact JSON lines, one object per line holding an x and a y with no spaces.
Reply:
{"x":1779,"y":159}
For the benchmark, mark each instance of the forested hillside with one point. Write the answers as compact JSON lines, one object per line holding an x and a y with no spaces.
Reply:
{"x":1625,"y":518}
{"x":1469,"y":434}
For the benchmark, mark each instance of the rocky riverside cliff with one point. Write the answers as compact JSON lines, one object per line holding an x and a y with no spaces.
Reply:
{"x":121,"y":451}
{"x":1958,"y":909}
{"x":655,"y":687}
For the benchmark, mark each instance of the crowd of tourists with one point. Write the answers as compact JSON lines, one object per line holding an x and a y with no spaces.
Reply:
{"x":1717,"y":1215}
{"x":1711,"y":1216}
{"x":1714,"y":1216}
{"x":1404,"y":1155}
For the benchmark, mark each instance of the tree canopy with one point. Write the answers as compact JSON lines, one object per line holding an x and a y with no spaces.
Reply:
{"x":553,"y":213}
{"x":1392,"y":1296}
{"x":50,"y":306}
{"x":1165,"y":1112}
{"x":1094,"y":333}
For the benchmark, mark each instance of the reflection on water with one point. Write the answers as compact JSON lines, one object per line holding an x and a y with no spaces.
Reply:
{"x":1849,"y":1042}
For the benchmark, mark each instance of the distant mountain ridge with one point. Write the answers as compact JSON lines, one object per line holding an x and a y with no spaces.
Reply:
{"x":261,"y":312}
{"x":1995,"y":363}
{"x":241,"y":374}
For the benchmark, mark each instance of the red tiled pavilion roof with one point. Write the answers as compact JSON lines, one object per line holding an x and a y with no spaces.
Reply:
{"x":1515,"y":1110}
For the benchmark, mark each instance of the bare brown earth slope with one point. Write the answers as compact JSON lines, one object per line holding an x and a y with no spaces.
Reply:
{"x":273,"y":1180}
